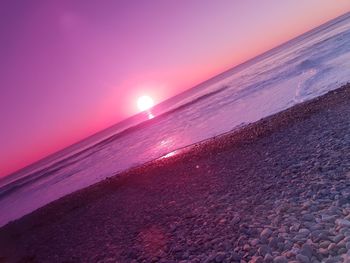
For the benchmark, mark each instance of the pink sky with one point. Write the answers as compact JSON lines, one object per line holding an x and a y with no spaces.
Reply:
{"x":71,"y":68}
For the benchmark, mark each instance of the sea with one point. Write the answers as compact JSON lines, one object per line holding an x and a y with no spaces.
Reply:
{"x":301,"y":69}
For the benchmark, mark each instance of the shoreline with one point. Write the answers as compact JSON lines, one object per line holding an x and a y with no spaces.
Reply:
{"x":142,"y":214}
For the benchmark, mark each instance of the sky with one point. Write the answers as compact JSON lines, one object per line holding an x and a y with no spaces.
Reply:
{"x":69,"y":69}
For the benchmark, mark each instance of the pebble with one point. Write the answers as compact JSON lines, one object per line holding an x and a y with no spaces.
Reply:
{"x":255,"y":242}
{"x":323,"y":251}
{"x":263,"y":250}
{"x":283,"y":229}
{"x":347,"y":245}
{"x":256,"y":259}
{"x":273,"y":242}
{"x":304,"y":232}
{"x":302,"y":258}
{"x":332,"y":246}
{"x":280,"y":246}
{"x":338,"y":238}
{"x":288,"y":244}
{"x":341,"y":243}
{"x":222,"y":221}
{"x":342,"y":222}
{"x":320,"y":234}
{"x":306,"y":250}
{"x":295,"y":227}
{"x":268,"y":258}
{"x":246,"y":247}
{"x":235,"y":256}
{"x":266,"y":233}
{"x":306,"y":205}
{"x":235,"y":220}
{"x":343,"y":230}
{"x":295,"y":250}
{"x":325,"y":244}
{"x":289,"y":254}
{"x":220,"y":256}
{"x":299,"y":238}
{"x":280,"y":259}
{"x":210,"y":258}
{"x":342,"y":250}
{"x":308,"y":217}
{"x":328,"y":218}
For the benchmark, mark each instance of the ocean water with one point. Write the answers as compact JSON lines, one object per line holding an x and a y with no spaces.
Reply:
{"x":301,"y":69}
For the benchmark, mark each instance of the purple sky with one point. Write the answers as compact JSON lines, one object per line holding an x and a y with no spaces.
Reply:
{"x":71,"y":68}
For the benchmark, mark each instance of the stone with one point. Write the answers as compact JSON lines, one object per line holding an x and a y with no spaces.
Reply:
{"x":268,"y":258}
{"x":263,"y":250}
{"x":347,"y":245}
{"x":342,"y":250}
{"x":341,"y":243}
{"x":288,"y":244}
{"x":332,"y":247}
{"x":280,"y":259}
{"x":235,"y":256}
{"x":220,"y":256}
{"x":241,"y":240}
{"x":323,"y":251}
{"x":338,"y":238}
{"x":222,"y":221}
{"x":255,"y":242}
{"x":246,"y":247}
{"x":320,"y":235}
{"x":266,"y":233}
{"x":342,"y":222}
{"x":235,"y":220}
{"x":325,"y":244}
{"x":308,"y":217}
{"x":299,"y":238}
{"x":289,"y":254}
{"x":306,"y":205}
{"x":256,"y":259}
{"x":210,"y":259}
{"x":306,"y":250}
{"x":328,"y":218}
{"x":295,"y":227}
{"x":273,"y":242}
{"x":283,"y":229}
{"x":295,"y":250}
{"x":280,"y":246}
{"x":304,"y":232}
{"x":302,"y":258}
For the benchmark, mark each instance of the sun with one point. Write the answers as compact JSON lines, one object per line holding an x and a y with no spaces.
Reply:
{"x":145,"y":103}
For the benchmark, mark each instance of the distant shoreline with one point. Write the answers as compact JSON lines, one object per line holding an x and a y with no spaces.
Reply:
{"x":226,"y":198}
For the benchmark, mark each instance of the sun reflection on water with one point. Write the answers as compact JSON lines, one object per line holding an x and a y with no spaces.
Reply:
{"x":150,"y":115}
{"x":169,"y":155}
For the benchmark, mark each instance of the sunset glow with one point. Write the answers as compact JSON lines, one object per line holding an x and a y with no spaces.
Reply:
{"x":71,"y":69}
{"x":145,"y":103}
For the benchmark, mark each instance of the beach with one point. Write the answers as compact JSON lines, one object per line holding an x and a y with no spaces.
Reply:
{"x":277,"y":190}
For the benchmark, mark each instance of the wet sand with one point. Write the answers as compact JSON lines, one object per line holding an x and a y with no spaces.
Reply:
{"x":275,"y":191}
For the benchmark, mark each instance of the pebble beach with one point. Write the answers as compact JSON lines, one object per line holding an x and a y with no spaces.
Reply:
{"x":277,"y":190}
